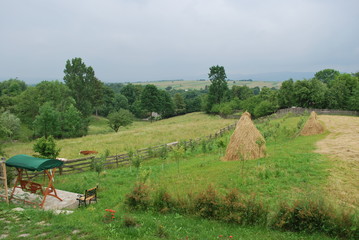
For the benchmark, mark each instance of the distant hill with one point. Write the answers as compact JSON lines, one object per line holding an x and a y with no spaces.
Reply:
{"x":202,"y":83}
{"x":274,"y":76}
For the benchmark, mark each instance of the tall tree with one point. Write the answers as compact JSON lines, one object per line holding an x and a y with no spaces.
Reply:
{"x":83,"y":84}
{"x":310,"y":93}
{"x":9,"y":91}
{"x":218,"y":89}
{"x":341,"y":90}
{"x":166,"y":104}
{"x":286,"y":94}
{"x":179,"y":103}
{"x":150,"y":99}
{"x":327,"y":75}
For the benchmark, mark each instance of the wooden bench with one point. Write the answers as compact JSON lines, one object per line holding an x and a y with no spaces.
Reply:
{"x":90,"y":195}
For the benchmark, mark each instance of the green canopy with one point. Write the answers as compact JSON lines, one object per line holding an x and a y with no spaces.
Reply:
{"x":32,"y":163}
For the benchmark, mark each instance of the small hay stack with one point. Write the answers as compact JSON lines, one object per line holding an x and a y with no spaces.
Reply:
{"x":246,"y":141}
{"x":312,"y":126}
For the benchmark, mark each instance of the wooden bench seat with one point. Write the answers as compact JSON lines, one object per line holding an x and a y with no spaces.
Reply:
{"x":89,"y":196}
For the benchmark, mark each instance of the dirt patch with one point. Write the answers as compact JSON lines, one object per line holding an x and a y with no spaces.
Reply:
{"x":341,"y":146}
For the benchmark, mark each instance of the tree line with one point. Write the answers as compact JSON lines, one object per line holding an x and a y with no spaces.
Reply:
{"x":62,"y":109}
{"x":328,"y":89}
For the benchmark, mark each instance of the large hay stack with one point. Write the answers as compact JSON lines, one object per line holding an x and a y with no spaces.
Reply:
{"x":312,"y":126}
{"x":246,"y":141}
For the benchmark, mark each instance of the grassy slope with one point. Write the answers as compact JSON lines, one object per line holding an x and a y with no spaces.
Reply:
{"x":192,"y":84}
{"x":289,"y":172}
{"x":140,"y":134}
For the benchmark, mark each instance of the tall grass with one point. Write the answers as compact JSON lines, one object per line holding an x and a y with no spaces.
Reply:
{"x":140,"y":134}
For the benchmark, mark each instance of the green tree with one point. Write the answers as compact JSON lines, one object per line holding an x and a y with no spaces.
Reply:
{"x":46,"y":147}
{"x":327,"y":75}
{"x":72,"y":123}
{"x":166,"y":104}
{"x":264,"y":108}
{"x":341,"y":90}
{"x":286,"y":94}
{"x":250,"y":103}
{"x":10,"y":124}
{"x":9,"y":91}
{"x":12,"y":87}
{"x":131,"y":92}
{"x":47,"y":122}
{"x":118,"y":119}
{"x":83,"y":84}
{"x":218,"y":90}
{"x":150,"y":99}
{"x":353,"y":101}
{"x":242,"y":92}
{"x":120,"y":101}
{"x":30,"y":101}
{"x":180,"y":105}
{"x":310,"y":93}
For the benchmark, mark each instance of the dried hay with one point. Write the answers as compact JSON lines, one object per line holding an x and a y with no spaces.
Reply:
{"x":312,"y":126}
{"x":246,"y":141}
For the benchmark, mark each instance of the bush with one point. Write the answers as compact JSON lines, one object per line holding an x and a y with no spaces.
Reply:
{"x":163,"y":201}
{"x":46,"y":147}
{"x":139,"y":198}
{"x":129,"y":221}
{"x":236,"y":209}
{"x":207,"y":203}
{"x":315,"y":216}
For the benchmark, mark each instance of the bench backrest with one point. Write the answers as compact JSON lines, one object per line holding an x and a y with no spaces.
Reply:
{"x":91,"y":192}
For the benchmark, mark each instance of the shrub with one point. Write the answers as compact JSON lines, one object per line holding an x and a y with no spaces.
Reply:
{"x":245,"y":211}
{"x":129,"y":221}
{"x":207,"y":203}
{"x":139,"y":198}
{"x":163,"y":201}
{"x":46,"y":147}
{"x":315,"y":216}
{"x":98,"y":164}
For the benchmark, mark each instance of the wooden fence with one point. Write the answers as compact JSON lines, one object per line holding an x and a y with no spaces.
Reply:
{"x":3,"y":179}
{"x":115,"y":161}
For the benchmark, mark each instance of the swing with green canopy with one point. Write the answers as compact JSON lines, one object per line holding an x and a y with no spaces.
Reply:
{"x":22,"y":163}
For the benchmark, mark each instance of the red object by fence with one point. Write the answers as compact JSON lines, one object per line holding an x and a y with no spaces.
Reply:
{"x":88,"y":152}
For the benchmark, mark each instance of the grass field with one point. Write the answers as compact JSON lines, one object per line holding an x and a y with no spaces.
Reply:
{"x":196,"y":84}
{"x":140,"y":134}
{"x":291,"y":171}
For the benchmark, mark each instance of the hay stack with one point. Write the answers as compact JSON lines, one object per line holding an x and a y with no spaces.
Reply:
{"x":312,"y":126}
{"x":246,"y":141}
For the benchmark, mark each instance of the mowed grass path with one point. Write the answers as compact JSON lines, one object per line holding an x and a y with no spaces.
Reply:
{"x":140,"y":134}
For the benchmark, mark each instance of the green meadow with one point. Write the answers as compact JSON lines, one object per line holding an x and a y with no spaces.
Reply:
{"x":291,"y":172}
{"x":141,"y":134}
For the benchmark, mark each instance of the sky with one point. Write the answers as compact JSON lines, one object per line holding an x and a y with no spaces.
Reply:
{"x":147,"y":40}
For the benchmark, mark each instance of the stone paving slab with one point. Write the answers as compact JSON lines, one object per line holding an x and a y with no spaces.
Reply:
{"x":51,"y":203}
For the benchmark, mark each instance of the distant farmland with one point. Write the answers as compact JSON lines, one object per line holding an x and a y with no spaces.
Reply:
{"x":201,"y":84}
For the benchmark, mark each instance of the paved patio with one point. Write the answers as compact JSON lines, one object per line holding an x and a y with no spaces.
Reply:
{"x":51,"y":203}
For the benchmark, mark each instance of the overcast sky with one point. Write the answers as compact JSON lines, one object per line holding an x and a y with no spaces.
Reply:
{"x":140,"y":40}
